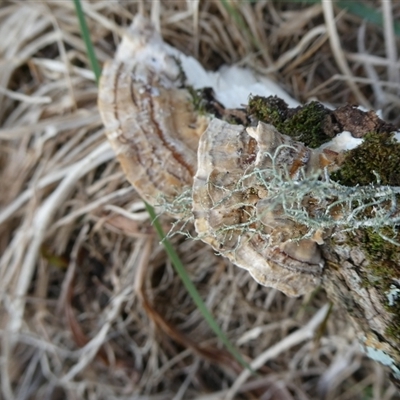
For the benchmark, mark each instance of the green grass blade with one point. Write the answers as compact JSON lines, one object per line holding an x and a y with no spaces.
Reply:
{"x":359,"y":9}
{"x":180,"y":270}
{"x":176,"y":262}
{"x":235,"y":15}
{"x":368,"y":13}
{"x":88,"y":42}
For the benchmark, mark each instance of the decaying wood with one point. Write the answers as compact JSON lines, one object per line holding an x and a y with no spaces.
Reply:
{"x":344,"y":280}
{"x":260,"y":198}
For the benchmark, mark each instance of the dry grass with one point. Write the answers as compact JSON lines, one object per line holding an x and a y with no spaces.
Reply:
{"x":91,"y":307}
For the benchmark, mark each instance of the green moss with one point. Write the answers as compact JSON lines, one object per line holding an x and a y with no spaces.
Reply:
{"x":305,"y":124}
{"x":205,"y":103}
{"x":382,"y":255}
{"x":383,"y":270}
{"x":378,"y":154}
{"x":271,"y":110}
{"x":198,"y":100}
{"x":393,"y":330}
{"x":379,"y":249}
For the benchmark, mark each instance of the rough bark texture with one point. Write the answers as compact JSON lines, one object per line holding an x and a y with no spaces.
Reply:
{"x":352,"y":282}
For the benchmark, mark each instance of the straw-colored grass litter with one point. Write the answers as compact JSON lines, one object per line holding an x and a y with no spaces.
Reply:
{"x":91,"y":306}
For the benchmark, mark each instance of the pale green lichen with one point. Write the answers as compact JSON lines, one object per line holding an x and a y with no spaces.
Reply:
{"x":321,"y":203}
{"x":383,"y":358}
{"x":317,"y":202}
{"x":392,"y":295}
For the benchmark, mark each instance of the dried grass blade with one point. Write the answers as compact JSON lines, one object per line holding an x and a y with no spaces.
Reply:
{"x":327,"y":7}
{"x":304,"y":333}
{"x":236,"y":16}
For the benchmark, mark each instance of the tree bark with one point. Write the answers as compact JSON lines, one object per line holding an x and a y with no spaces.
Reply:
{"x":352,"y":281}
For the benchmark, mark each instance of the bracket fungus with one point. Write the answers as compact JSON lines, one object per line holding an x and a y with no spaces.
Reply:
{"x":155,"y":130}
{"x":234,"y":211}
{"x":265,"y":200}
{"x":149,"y":117}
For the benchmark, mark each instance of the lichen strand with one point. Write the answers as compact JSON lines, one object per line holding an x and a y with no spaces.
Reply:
{"x":306,"y":124}
{"x":377,"y":156}
{"x":384,"y":269}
